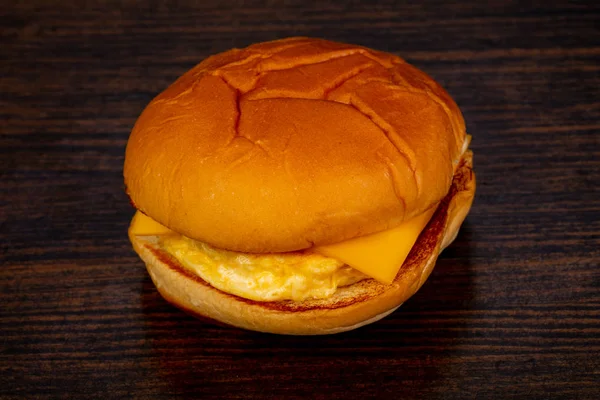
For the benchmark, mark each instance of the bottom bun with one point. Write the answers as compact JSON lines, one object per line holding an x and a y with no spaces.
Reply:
{"x":350,"y":307}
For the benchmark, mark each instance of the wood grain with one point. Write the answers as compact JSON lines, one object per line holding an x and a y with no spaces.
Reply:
{"x":511,"y":311}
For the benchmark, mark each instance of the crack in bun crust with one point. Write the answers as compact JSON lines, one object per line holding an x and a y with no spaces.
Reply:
{"x":326,"y":126}
{"x":350,"y":307}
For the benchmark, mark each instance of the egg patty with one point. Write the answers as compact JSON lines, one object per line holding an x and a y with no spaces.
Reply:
{"x":293,"y":276}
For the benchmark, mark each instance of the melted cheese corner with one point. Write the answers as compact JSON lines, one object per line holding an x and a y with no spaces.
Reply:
{"x":379,"y":255}
{"x":142,"y":225}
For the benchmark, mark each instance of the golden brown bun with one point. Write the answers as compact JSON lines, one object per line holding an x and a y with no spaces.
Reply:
{"x":291,"y":143}
{"x":349,"y":308}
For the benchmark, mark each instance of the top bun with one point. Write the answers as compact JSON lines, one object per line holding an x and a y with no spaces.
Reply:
{"x":291,"y":143}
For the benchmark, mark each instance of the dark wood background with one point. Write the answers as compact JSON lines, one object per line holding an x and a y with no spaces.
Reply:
{"x":511,"y":311}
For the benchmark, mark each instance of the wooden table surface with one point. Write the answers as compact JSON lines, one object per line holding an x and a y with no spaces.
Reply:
{"x":512,"y":309}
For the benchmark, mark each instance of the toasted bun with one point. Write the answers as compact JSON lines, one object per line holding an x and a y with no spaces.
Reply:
{"x":349,"y":308}
{"x":292,"y":143}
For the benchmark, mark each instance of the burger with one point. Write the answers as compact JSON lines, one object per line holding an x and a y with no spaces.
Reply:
{"x":298,"y":186}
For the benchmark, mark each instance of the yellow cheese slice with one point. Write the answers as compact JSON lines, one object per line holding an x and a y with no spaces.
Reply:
{"x":143,"y":225}
{"x":379,"y":255}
